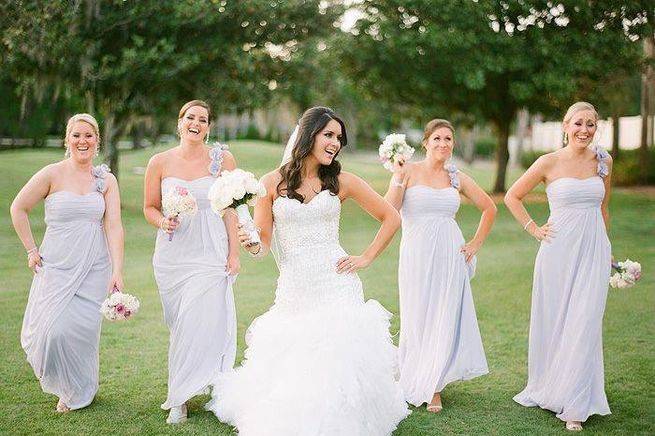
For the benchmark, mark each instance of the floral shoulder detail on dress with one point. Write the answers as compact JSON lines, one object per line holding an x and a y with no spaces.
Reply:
{"x":602,"y":155}
{"x":100,"y":172}
{"x":452,"y":173}
{"x":216,"y":156}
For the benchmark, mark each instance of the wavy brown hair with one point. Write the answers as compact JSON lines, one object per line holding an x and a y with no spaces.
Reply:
{"x":311,"y":123}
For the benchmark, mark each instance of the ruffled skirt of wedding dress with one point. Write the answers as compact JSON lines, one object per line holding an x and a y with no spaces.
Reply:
{"x":329,"y":370}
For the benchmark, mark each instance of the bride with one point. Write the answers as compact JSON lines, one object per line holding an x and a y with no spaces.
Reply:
{"x":321,"y":360}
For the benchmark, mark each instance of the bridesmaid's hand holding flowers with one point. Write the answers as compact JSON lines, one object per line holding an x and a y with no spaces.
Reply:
{"x":116,"y":283}
{"x":169,"y":224}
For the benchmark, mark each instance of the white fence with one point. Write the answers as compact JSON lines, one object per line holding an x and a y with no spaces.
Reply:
{"x":547,"y":136}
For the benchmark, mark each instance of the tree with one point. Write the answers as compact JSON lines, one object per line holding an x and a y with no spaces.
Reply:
{"x":647,"y":104}
{"x":489,"y":58}
{"x":133,"y":59}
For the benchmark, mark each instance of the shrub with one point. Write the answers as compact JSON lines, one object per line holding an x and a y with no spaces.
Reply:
{"x":485,"y":147}
{"x":528,"y":157}
{"x":251,"y":133}
{"x":625,"y":171}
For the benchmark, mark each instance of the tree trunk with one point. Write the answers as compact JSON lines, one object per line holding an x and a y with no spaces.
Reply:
{"x":502,"y":154}
{"x":468,"y":144}
{"x":646,"y":83}
{"x":111,"y":144}
{"x":523,"y":123}
{"x":138,"y":134}
{"x":616,"y":121}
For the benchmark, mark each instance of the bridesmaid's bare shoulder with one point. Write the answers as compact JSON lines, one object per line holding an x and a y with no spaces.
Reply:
{"x":546,"y":162}
{"x":48,"y":173}
{"x":158,"y":161}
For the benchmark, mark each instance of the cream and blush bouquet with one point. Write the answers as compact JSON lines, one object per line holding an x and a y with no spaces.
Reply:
{"x":626,"y":275}
{"x":119,"y":306}
{"x":178,"y":202}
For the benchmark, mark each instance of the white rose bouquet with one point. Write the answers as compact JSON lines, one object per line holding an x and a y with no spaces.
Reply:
{"x":178,"y":202}
{"x":119,"y":306}
{"x":393,"y":149}
{"x":626,"y":275}
{"x":237,"y":189}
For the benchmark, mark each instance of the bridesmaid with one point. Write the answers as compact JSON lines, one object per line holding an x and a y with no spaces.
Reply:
{"x":195,"y":270}
{"x":439,"y":336}
{"x":72,"y":268}
{"x":571,"y":273}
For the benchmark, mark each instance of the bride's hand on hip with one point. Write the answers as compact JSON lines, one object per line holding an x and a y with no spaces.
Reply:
{"x":350,"y":264}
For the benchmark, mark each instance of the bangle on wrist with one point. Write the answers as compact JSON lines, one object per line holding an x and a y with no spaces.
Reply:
{"x":161,"y":222}
{"x":32,"y":250}
{"x":525,"y":227}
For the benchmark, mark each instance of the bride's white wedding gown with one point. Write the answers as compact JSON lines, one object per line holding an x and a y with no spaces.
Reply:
{"x":321,"y":360}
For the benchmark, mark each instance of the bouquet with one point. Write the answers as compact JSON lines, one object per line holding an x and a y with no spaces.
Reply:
{"x":394,"y":149}
{"x":119,"y":306}
{"x":237,"y":189}
{"x":626,"y":275}
{"x":178,"y":202}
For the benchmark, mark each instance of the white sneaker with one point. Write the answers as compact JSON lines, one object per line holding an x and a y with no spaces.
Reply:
{"x":177,"y":415}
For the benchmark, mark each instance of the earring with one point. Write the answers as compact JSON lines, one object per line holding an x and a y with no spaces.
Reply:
{"x":67,"y":153}
{"x":207,"y":138}
{"x":565,"y":139}
{"x":97,"y":153}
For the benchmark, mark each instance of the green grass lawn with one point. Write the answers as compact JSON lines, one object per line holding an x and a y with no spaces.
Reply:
{"x":133,"y":355}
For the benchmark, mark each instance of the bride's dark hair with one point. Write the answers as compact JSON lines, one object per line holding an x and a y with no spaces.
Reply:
{"x":311,"y":123}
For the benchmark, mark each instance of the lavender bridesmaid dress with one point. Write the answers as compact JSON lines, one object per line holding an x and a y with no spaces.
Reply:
{"x":439,"y":336}
{"x":571,"y":276}
{"x":61,"y":327}
{"x":196,"y":293}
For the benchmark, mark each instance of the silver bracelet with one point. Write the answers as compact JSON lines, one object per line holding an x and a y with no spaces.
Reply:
{"x":396,"y":183}
{"x":525,"y":227}
{"x":32,"y":250}
{"x":161,"y":223}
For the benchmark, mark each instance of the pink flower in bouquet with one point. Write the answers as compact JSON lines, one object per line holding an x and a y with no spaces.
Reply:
{"x":119,"y":306}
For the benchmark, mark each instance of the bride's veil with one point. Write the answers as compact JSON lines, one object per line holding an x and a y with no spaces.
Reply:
{"x":286,"y":157}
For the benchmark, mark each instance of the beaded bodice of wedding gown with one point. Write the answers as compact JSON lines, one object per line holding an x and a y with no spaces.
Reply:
{"x":307,"y":247}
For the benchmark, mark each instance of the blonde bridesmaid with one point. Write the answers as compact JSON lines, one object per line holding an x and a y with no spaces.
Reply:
{"x":571,"y":273}
{"x":79,"y":260}
{"x":439,"y":336}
